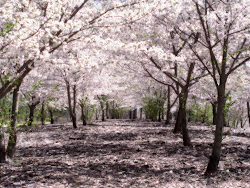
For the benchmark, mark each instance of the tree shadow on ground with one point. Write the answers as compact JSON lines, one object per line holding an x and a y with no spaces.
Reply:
{"x":129,"y":157}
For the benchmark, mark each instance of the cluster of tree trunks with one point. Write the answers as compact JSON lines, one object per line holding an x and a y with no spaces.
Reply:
{"x":72,"y":108}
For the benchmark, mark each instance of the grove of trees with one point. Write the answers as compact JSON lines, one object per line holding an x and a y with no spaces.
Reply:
{"x":96,"y":59}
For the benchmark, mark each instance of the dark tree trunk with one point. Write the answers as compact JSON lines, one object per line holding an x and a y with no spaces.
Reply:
{"x":51,"y":112}
{"x":103,"y":115}
{"x":185,"y":132}
{"x":96,"y":114}
{"x":248,"y":112}
{"x":107,"y":110}
{"x":112,"y":110}
{"x":160,"y":103}
{"x":11,"y":148}
{"x":204,"y":115}
{"x":181,"y":122}
{"x":31,"y":115}
{"x":2,"y":147}
{"x":130,"y":114}
{"x":140,"y":113}
{"x":216,"y":153}
{"x":168,"y":107}
{"x":32,"y":108}
{"x":43,"y":113}
{"x":71,"y":108}
{"x":177,"y":127}
{"x":102,"y":103}
{"x":162,"y":114}
{"x":135,"y":114}
{"x":84,"y":122}
{"x":159,"y":116}
{"x":214,"y":105}
{"x":74,"y":107}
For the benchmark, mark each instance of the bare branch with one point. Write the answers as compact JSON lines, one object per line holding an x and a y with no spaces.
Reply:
{"x":237,"y":56}
{"x":237,"y":66}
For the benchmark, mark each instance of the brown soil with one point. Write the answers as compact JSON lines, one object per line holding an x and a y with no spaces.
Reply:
{"x":124,"y":154}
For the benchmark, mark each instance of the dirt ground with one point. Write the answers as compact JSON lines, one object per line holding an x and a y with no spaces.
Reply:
{"x":124,"y":154}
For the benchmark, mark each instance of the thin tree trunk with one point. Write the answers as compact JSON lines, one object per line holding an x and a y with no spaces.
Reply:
{"x":214,"y":105}
{"x":168,"y":108}
{"x":51,"y":112}
{"x":2,"y":147}
{"x":103,"y":111}
{"x":71,"y":110}
{"x":43,"y":113}
{"x":11,"y":148}
{"x":162,"y":113}
{"x":96,"y":114}
{"x":113,"y":110}
{"x":101,"y":100}
{"x":248,"y":112}
{"x":103,"y":115}
{"x":74,"y":107}
{"x":216,"y":153}
{"x":84,"y":122}
{"x":107,"y":110}
{"x":159,"y":116}
{"x":204,"y":115}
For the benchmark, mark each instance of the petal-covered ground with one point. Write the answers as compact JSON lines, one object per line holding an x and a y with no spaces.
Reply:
{"x":124,"y":154}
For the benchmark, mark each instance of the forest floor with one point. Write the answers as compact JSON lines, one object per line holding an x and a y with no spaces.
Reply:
{"x":124,"y":154}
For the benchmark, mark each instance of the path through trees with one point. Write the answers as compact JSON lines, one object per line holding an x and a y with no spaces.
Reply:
{"x":124,"y":154}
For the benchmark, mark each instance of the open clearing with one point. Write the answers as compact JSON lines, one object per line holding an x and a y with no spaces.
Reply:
{"x":124,"y":154}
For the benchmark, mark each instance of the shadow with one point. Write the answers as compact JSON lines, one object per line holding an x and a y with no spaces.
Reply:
{"x":83,"y":157}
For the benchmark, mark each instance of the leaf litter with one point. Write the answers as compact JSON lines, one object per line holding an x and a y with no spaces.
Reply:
{"x":123,"y":153}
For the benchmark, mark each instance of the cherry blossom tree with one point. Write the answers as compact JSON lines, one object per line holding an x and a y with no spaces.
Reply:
{"x":31,"y":30}
{"x":221,"y":49}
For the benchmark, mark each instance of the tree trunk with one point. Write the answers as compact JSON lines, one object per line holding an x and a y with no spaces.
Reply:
{"x":103,"y":115}
{"x":177,"y":127}
{"x":185,"y":132}
{"x":43,"y":113}
{"x":51,"y":112}
{"x":204,"y":115}
{"x":2,"y":147}
{"x":101,"y":100}
{"x":130,"y":114}
{"x":162,"y":113}
{"x":11,"y":148}
{"x":216,"y":153}
{"x":248,"y":112}
{"x":113,"y":110}
{"x":96,"y":114}
{"x":71,"y":109}
{"x":168,"y":108}
{"x":181,"y":122}
{"x":135,"y":114}
{"x":214,"y":105}
{"x":74,"y":107}
{"x":140,"y":113}
{"x":84,"y":122}
{"x":32,"y":108}
{"x":107,"y":110}
{"x":159,"y":116}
